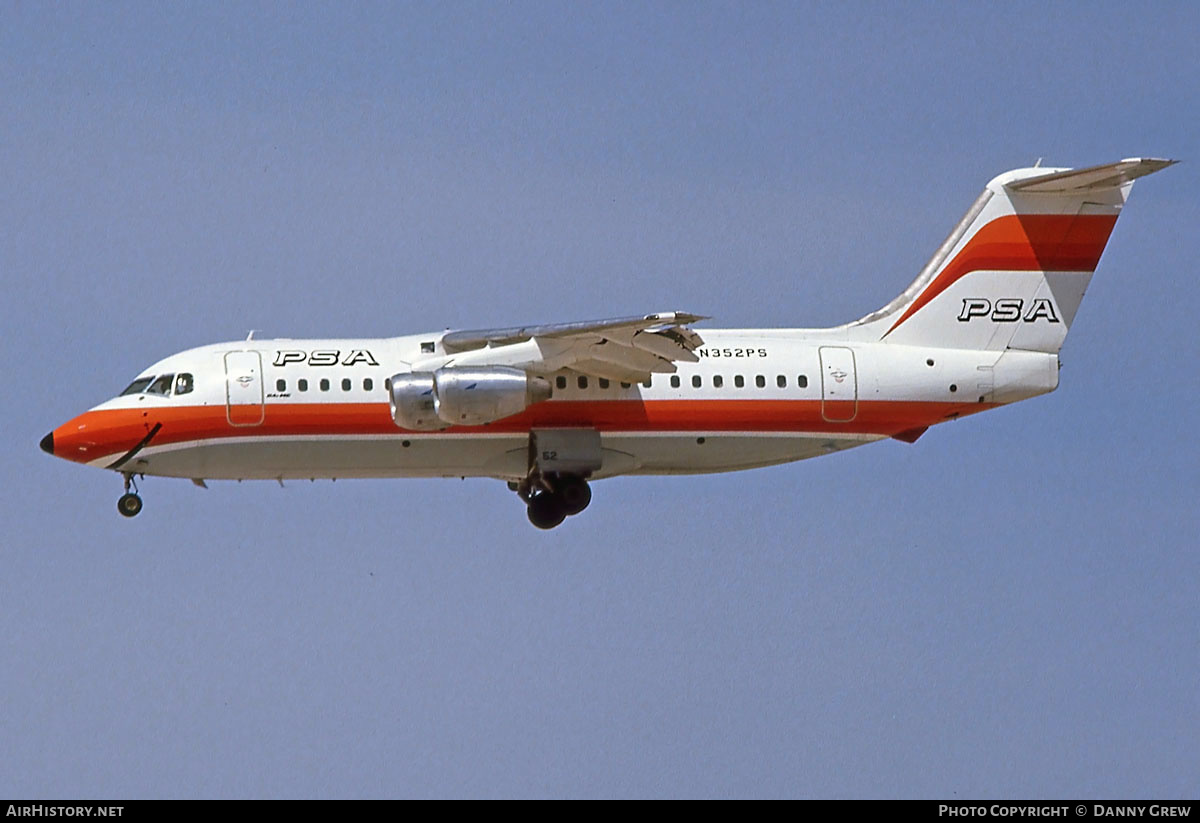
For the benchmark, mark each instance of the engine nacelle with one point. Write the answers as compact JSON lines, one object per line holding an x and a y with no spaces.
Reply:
{"x":414,"y":404}
{"x":473,"y":396}
{"x":427,"y":401}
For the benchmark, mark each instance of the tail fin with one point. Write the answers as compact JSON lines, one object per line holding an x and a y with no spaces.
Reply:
{"x":1014,"y":270}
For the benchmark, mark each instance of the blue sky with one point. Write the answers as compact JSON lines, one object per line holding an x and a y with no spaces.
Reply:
{"x":1006,"y":608}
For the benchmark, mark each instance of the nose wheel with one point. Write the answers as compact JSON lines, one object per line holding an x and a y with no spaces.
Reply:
{"x":129,"y":504}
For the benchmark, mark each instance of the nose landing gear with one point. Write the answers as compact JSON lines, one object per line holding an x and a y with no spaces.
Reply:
{"x":129,"y":504}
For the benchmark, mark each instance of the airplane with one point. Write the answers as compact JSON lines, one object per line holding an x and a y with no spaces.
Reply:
{"x":551,"y":408}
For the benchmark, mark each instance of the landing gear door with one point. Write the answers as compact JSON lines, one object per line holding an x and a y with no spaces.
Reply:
{"x":839,"y":384}
{"x":565,"y":451}
{"x":243,"y":388}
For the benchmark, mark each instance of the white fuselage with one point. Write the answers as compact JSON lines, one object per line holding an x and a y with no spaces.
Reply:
{"x":320,"y":408}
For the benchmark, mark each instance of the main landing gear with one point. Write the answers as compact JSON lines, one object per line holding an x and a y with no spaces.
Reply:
{"x":129,"y":504}
{"x":560,"y":462}
{"x":555,"y":498}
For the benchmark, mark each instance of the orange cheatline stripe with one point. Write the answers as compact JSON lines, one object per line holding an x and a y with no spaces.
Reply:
{"x":1024,"y":242}
{"x":112,"y":431}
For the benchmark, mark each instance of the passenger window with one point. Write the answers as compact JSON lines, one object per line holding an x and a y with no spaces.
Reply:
{"x":368,"y":384}
{"x":161,"y":385}
{"x":137,"y":386}
{"x":802,"y":381}
{"x":695,"y":381}
{"x":183,"y":384}
{"x":280,"y":385}
{"x":781,"y":382}
{"x":674,"y":381}
{"x":625,"y":385}
{"x":718,"y":381}
{"x":302,"y":384}
{"x":324,"y":384}
{"x":760,"y":381}
{"x":603,"y":383}
{"x":582,"y":382}
{"x":560,"y":382}
{"x":647,"y":383}
{"x":345,"y":384}
{"x":739,"y":381}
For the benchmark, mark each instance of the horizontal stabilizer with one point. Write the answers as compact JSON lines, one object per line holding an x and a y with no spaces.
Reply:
{"x":1095,"y":178}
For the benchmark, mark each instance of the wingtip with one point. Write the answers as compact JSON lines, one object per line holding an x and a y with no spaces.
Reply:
{"x":1150,"y":164}
{"x":678,"y":318}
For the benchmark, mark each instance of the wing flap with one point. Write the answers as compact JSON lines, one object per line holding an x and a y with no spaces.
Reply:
{"x":671,"y":344}
{"x":610,"y":371}
{"x":628,"y":357}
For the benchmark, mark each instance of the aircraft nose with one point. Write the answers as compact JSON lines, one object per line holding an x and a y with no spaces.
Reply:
{"x":47,"y":443}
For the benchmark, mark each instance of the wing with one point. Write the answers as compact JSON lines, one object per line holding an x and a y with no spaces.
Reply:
{"x":627,"y":349}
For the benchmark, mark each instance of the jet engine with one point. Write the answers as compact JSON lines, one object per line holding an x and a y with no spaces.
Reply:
{"x":452,"y":396}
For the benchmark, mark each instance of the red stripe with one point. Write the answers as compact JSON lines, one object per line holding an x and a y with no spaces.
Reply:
{"x":97,"y":434}
{"x":1024,"y":242}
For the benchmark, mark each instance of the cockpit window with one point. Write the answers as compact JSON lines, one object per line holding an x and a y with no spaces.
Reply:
{"x":161,"y":384}
{"x":137,"y":386}
{"x":183,"y":384}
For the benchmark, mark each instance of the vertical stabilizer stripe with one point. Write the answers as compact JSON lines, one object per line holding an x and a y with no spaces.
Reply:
{"x":1023,"y":242}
